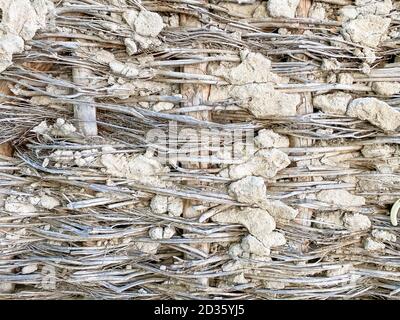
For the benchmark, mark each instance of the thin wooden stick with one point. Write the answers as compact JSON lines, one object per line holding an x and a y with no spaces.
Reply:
{"x":85,"y":113}
{"x":305,"y":214}
{"x":195,"y":94}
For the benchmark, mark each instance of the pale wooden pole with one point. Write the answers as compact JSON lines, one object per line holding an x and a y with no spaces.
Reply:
{"x":85,"y":113}
{"x":6,"y":150}
{"x":305,"y":214}
{"x":195,"y":95}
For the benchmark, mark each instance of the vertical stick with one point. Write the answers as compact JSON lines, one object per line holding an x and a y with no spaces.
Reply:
{"x":6,"y":150}
{"x":195,"y":95}
{"x":85,"y":113}
{"x":304,"y":214}
{"x":6,"y":287}
{"x":303,"y":8}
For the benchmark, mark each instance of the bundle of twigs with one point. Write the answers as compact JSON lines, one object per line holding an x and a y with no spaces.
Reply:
{"x":97,"y":240}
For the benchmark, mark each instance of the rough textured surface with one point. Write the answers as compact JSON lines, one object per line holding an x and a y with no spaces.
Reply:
{"x":252,"y":245}
{"x":386,"y":88}
{"x":254,"y":68}
{"x":262,"y":100}
{"x":20,"y":21}
{"x":145,"y":247}
{"x":252,"y":82}
{"x":282,"y":8}
{"x":279,"y":210}
{"x":378,"y":150}
{"x":118,"y":216}
{"x":366,"y":30}
{"x":167,"y":205}
{"x":60,"y":128}
{"x":341,"y":198}
{"x":274,"y":239}
{"x":159,"y":204}
{"x":145,"y":23}
{"x":148,"y":24}
{"x":383,"y":235}
{"x":357,"y":222}
{"x":372,"y":245}
{"x":143,"y":168}
{"x":258,"y":221}
{"x":48,"y":202}
{"x":333,"y":103}
{"x":270,"y":139}
{"x":249,"y":190}
{"x":265,"y":163}
{"x":378,"y":112}
{"x":163,"y":106}
{"x":13,"y":205}
{"x":378,"y":7}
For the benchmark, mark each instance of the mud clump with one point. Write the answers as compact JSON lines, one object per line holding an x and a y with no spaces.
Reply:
{"x":252,"y":83}
{"x":386,"y":88}
{"x":145,"y":23}
{"x":274,"y":239}
{"x":139,"y":167}
{"x":159,"y":233}
{"x":356,"y":222}
{"x":373,"y":245}
{"x":163,"y":106}
{"x":341,"y":198}
{"x":270,"y":139}
{"x":262,"y":100}
{"x":380,"y":7}
{"x":383,"y":235}
{"x":46,"y":202}
{"x":9,"y":45}
{"x":279,"y":210}
{"x":145,"y":247}
{"x":13,"y":205}
{"x":252,"y":245}
{"x":20,"y":21}
{"x":250,"y":190}
{"x":60,"y":128}
{"x":378,"y":182}
{"x":128,"y":70}
{"x":282,"y":8}
{"x":377,"y":112}
{"x":265,"y":163}
{"x":167,"y":205}
{"x":366,"y":30}
{"x":30,"y":205}
{"x":147,"y":26}
{"x":257,"y":221}
{"x":254,"y":68}
{"x":261,"y":226}
{"x":378,"y":150}
{"x":334,"y":103}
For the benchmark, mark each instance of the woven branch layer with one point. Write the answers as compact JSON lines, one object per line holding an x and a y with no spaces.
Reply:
{"x":305,"y":215}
